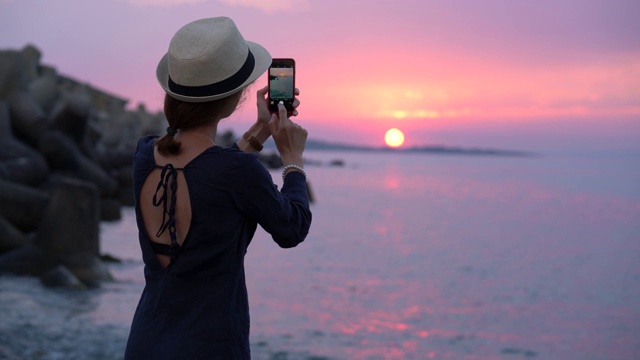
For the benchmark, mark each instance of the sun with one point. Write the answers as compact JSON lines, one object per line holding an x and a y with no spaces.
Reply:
{"x":394,"y":138}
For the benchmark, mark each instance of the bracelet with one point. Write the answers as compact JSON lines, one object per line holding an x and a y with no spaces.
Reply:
{"x":252,"y":141}
{"x":292,"y":166}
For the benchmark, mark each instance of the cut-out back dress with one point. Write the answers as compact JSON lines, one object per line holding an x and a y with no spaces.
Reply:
{"x":197,"y":306}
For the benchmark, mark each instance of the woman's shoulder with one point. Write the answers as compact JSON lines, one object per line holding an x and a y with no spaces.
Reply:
{"x":228,"y":157}
{"x":146,"y":143}
{"x":144,"y":148}
{"x":216,"y":157}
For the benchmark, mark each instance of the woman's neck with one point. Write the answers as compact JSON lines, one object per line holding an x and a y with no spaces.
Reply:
{"x":203,"y":133}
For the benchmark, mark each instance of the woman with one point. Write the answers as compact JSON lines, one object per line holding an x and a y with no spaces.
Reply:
{"x":198,"y":204}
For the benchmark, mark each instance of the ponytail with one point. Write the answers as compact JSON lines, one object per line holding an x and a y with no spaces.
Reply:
{"x":167,"y":145}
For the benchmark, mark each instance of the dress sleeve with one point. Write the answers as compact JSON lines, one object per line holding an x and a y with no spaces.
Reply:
{"x":285,"y":213}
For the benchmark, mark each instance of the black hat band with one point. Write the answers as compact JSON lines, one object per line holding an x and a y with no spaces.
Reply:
{"x":221,"y":87}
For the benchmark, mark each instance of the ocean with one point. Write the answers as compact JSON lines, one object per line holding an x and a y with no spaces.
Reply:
{"x":410,"y":256}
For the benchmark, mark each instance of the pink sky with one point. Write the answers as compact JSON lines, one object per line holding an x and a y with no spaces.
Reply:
{"x":493,"y":73}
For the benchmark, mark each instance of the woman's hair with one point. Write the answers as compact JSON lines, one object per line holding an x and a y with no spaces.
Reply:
{"x":184,"y":115}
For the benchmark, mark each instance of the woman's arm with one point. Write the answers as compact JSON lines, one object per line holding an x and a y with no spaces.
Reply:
{"x":260,"y":131}
{"x":285,"y":214}
{"x":253,"y":139}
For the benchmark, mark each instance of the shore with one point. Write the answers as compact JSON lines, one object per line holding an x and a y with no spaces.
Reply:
{"x":40,"y":323}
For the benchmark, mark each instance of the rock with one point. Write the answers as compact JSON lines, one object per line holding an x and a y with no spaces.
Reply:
{"x":91,"y":139}
{"x":19,"y":162}
{"x":28,"y":120}
{"x":110,"y":209}
{"x":108,"y":258}
{"x":88,"y":269}
{"x":13,"y":77}
{"x":22,"y":164}
{"x":225,"y":139}
{"x":21,"y":205}
{"x":70,"y":223}
{"x":5,"y":122}
{"x":125,"y":185}
{"x":69,"y":231}
{"x":31,"y":57}
{"x":27,"y":260}
{"x":44,"y":91}
{"x":70,"y":115}
{"x":117,"y":161}
{"x":151,"y":124}
{"x":8,"y":354}
{"x":272,"y":161}
{"x":121,"y":132}
{"x":65,"y":165}
{"x":10,"y":237}
{"x":64,"y":154}
{"x":48,"y":71}
{"x":61,"y":277}
{"x":68,"y":235}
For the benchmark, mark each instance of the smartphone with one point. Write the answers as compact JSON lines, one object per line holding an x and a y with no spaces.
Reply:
{"x":282,"y":82}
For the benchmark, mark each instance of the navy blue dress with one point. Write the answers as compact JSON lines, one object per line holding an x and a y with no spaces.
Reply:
{"x":197,"y":307}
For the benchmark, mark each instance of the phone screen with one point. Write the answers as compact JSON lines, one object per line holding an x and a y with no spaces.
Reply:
{"x":281,"y":83}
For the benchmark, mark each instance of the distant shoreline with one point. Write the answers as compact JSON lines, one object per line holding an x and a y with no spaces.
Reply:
{"x":433,"y":149}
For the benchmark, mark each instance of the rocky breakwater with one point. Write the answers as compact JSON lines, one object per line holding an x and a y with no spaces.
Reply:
{"x":65,"y":165}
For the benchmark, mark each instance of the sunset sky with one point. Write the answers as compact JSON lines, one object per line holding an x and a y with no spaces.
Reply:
{"x":531,"y":75}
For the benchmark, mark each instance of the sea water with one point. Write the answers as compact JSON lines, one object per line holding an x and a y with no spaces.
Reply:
{"x":410,"y":256}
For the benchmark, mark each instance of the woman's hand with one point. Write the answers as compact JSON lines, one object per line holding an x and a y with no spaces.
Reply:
{"x":290,"y":138}
{"x":264,"y":115}
{"x":261,"y":130}
{"x":263,"y":107}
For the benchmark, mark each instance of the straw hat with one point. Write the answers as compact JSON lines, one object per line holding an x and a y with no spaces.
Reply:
{"x":208,"y":59}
